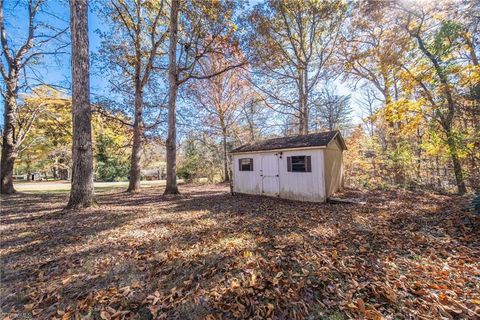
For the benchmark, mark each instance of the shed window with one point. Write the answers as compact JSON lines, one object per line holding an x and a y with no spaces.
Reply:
{"x":245,"y":164}
{"x":299,"y":164}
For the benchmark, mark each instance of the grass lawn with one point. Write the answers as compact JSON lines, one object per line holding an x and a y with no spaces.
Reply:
{"x":64,"y":186}
{"x":209,"y":255}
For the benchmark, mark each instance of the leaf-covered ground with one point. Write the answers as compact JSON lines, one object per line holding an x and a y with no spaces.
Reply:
{"x":210,"y":255}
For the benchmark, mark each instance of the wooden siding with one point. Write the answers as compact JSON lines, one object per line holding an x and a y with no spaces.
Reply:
{"x":306,"y":186}
{"x":333,"y":167}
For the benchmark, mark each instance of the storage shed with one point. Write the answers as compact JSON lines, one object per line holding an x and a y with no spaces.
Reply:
{"x":303,"y":167}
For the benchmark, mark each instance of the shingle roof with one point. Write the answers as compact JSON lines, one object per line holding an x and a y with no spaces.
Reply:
{"x":319,"y":139}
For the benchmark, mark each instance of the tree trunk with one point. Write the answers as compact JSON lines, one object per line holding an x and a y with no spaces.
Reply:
{"x":302,"y":99}
{"x":9,"y":152}
{"x":304,"y":129}
{"x":251,"y":130}
{"x":63,"y":174}
{"x":306,"y":112}
{"x":171,"y":143}
{"x":135,"y":167}
{"x":393,"y":140}
{"x":8,"y":161}
{"x":457,"y":166}
{"x":471,"y":49}
{"x":9,"y":145}
{"x":303,"y":115}
{"x":81,"y":194}
{"x":226,"y":177}
{"x":250,"y":114}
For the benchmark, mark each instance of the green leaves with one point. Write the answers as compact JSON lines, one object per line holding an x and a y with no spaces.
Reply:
{"x":111,"y":163}
{"x":447,"y":39}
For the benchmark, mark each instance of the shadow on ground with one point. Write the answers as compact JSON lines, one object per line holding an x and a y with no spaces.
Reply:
{"x":207,"y":254}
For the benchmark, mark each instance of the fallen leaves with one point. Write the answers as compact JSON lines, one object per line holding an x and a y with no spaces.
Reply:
{"x":360,"y":307}
{"x":208,"y":255}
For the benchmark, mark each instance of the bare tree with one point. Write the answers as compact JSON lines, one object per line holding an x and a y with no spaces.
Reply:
{"x":131,"y":52}
{"x":203,"y":23}
{"x":15,"y":58}
{"x":369,"y":105}
{"x":81,"y":194}
{"x":292,"y":42}
{"x":332,"y":110}
{"x":254,"y":115}
{"x":219,"y":98}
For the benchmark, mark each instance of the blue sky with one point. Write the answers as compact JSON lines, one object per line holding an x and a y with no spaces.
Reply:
{"x":53,"y":70}
{"x":57,"y":70}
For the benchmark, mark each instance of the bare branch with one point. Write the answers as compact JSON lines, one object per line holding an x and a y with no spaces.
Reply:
{"x":199,"y":77}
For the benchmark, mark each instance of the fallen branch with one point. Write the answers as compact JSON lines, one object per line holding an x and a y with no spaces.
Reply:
{"x":345,"y":200}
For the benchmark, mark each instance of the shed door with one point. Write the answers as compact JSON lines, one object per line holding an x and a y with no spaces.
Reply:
{"x":269,"y":175}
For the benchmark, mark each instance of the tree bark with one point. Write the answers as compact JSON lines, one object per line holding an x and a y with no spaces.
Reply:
{"x":457,"y":167}
{"x":81,"y":194}
{"x":226,"y":177}
{"x":303,"y":101}
{"x":135,"y":165}
{"x":9,"y":153}
{"x":306,"y":112}
{"x":471,"y":49}
{"x":303,"y":120}
{"x":63,"y":174}
{"x":171,"y":143}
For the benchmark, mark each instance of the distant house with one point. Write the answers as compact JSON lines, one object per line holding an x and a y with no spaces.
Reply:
{"x":303,"y":167}
{"x":152,"y":174}
{"x":35,"y":176}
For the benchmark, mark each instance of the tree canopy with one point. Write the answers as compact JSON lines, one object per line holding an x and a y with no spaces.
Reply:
{"x":400,"y":79}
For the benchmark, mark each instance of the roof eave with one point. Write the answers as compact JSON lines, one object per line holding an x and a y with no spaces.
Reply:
{"x":279,"y":149}
{"x":342,"y":141}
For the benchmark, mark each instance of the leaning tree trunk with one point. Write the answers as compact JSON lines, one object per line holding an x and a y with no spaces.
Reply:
{"x":81,"y":194}
{"x":171,"y":143}
{"x":9,"y":152}
{"x":448,"y":119}
{"x":135,"y":166}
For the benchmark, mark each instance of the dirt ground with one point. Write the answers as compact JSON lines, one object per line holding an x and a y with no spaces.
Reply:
{"x":209,"y":255}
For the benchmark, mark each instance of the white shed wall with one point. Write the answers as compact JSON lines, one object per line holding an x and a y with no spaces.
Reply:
{"x":306,"y":186}
{"x":247,"y":181}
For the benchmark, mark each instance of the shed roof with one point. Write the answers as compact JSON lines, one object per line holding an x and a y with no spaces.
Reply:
{"x":319,"y":139}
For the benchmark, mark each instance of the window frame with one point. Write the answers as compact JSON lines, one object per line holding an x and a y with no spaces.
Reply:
{"x":240,"y":165}
{"x":307,"y":163}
